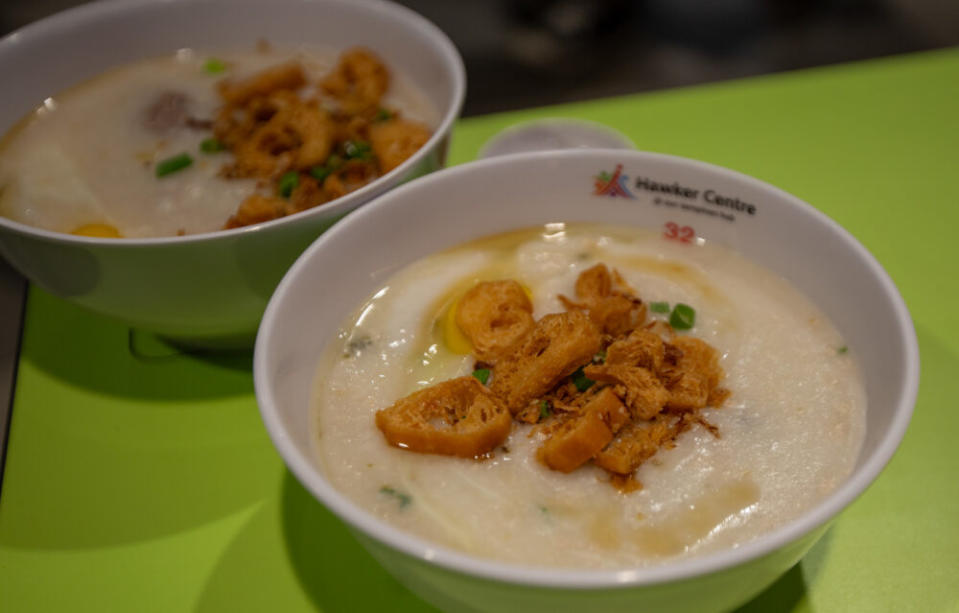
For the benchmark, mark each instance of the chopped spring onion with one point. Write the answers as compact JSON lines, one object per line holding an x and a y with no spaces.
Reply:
{"x":357,"y":150}
{"x":482,"y":375}
{"x":173,"y":164}
{"x":356,"y":346}
{"x":403,"y":499}
{"x":683,"y":317}
{"x":211,"y":145}
{"x":214,"y":66}
{"x":320,"y":173}
{"x":581,"y":381}
{"x":383,"y":115}
{"x":288,"y":183}
{"x":544,"y":411}
{"x":659,"y":307}
{"x":842,"y":350}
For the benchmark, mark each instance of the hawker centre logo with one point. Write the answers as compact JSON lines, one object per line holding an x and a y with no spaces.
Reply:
{"x":671,"y":194}
{"x":612,"y":185}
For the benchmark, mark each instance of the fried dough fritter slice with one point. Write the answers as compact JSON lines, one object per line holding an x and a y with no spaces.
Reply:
{"x":554,"y":348}
{"x":458,"y":417}
{"x":393,"y":141}
{"x":641,"y":348}
{"x":582,"y":435}
{"x":611,"y":304}
{"x":298,"y":135}
{"x":717,"y":396}
{"x":594,"y":284}
{"x":688,"y":393}
{"x":643,"y":392}
{"x":638,"y":441}
{"x":307,"y":194}
{"x":357,"y":82}
{"x":493,"y":315}
{"x":289,"y":75}
{"x":695,"y":376}
{"x":699,"y":356}
{"x":255,"y":209}
{"x":618,"y":315}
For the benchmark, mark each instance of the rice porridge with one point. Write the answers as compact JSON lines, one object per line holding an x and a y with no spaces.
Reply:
{"x":788,"y":433}
{"x":147,"y":149}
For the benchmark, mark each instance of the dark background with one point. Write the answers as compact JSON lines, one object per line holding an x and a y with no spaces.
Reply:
{"x":526,"y":53}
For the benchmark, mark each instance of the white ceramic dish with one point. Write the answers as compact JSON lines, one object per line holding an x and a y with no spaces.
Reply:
{"x":208,"y":288}
{"x":786,"y":235}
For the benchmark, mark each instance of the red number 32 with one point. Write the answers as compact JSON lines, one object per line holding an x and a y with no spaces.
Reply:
{"x":683,"y":234}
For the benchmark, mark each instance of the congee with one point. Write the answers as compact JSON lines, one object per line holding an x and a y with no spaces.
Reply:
{"x":198,"y":142}
{"x":587,"y":396}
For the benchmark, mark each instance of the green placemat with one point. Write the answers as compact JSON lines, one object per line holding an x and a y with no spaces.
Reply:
{"x":141,"y":479}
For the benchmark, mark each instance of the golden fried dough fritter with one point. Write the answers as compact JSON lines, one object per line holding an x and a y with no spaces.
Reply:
{"x":493,"y":315}
{"x":557,"y":345}
{"x":582,"y":435}
{"x":459,"y":417}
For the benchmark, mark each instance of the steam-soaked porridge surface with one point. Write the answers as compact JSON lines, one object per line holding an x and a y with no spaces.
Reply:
{"x":196,"y":142}
{"x":782,"y":430}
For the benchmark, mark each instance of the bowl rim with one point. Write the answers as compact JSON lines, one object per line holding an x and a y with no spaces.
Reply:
{"x":560,"y":124}
{"x":86,"y":14}
{"x":583,"y":579}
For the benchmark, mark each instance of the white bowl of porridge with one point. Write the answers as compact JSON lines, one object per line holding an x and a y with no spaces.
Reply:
{"x":587,"y":380}
{"x":164,"y":163}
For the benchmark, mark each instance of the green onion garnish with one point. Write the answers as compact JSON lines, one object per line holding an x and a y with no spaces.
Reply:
{"x":544,"y":411}
{"x":403,"y":499}
{"x":581,"y":381}
{"x":357,"y":150}
{"x":214,"y":66}
{"x":320,"y":173}
{"x":288,"y":183}
{"x":842,"y":350}
{"x":173,"y":164}
{"x":482,"y":375}
{"x":683,"y":317}
{"x":382,"y":115}
{"x":659,"y":307}
{"x":211,"y":145}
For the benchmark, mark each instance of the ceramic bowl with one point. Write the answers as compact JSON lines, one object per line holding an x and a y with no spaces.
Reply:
{"x":769,"y":226}
{"x":207,"y":288}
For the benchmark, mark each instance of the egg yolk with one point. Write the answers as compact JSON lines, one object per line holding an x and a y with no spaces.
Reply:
{"x":97,"y":230}
{"x":455,"y":340}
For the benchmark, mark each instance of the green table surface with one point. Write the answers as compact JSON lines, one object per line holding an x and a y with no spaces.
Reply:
{"x":141,"y":479}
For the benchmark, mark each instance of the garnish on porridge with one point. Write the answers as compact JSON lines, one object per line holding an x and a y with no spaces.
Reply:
{"x":187,"y":144}
{"x":601,"y":383}
{"x":309,"y":143}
